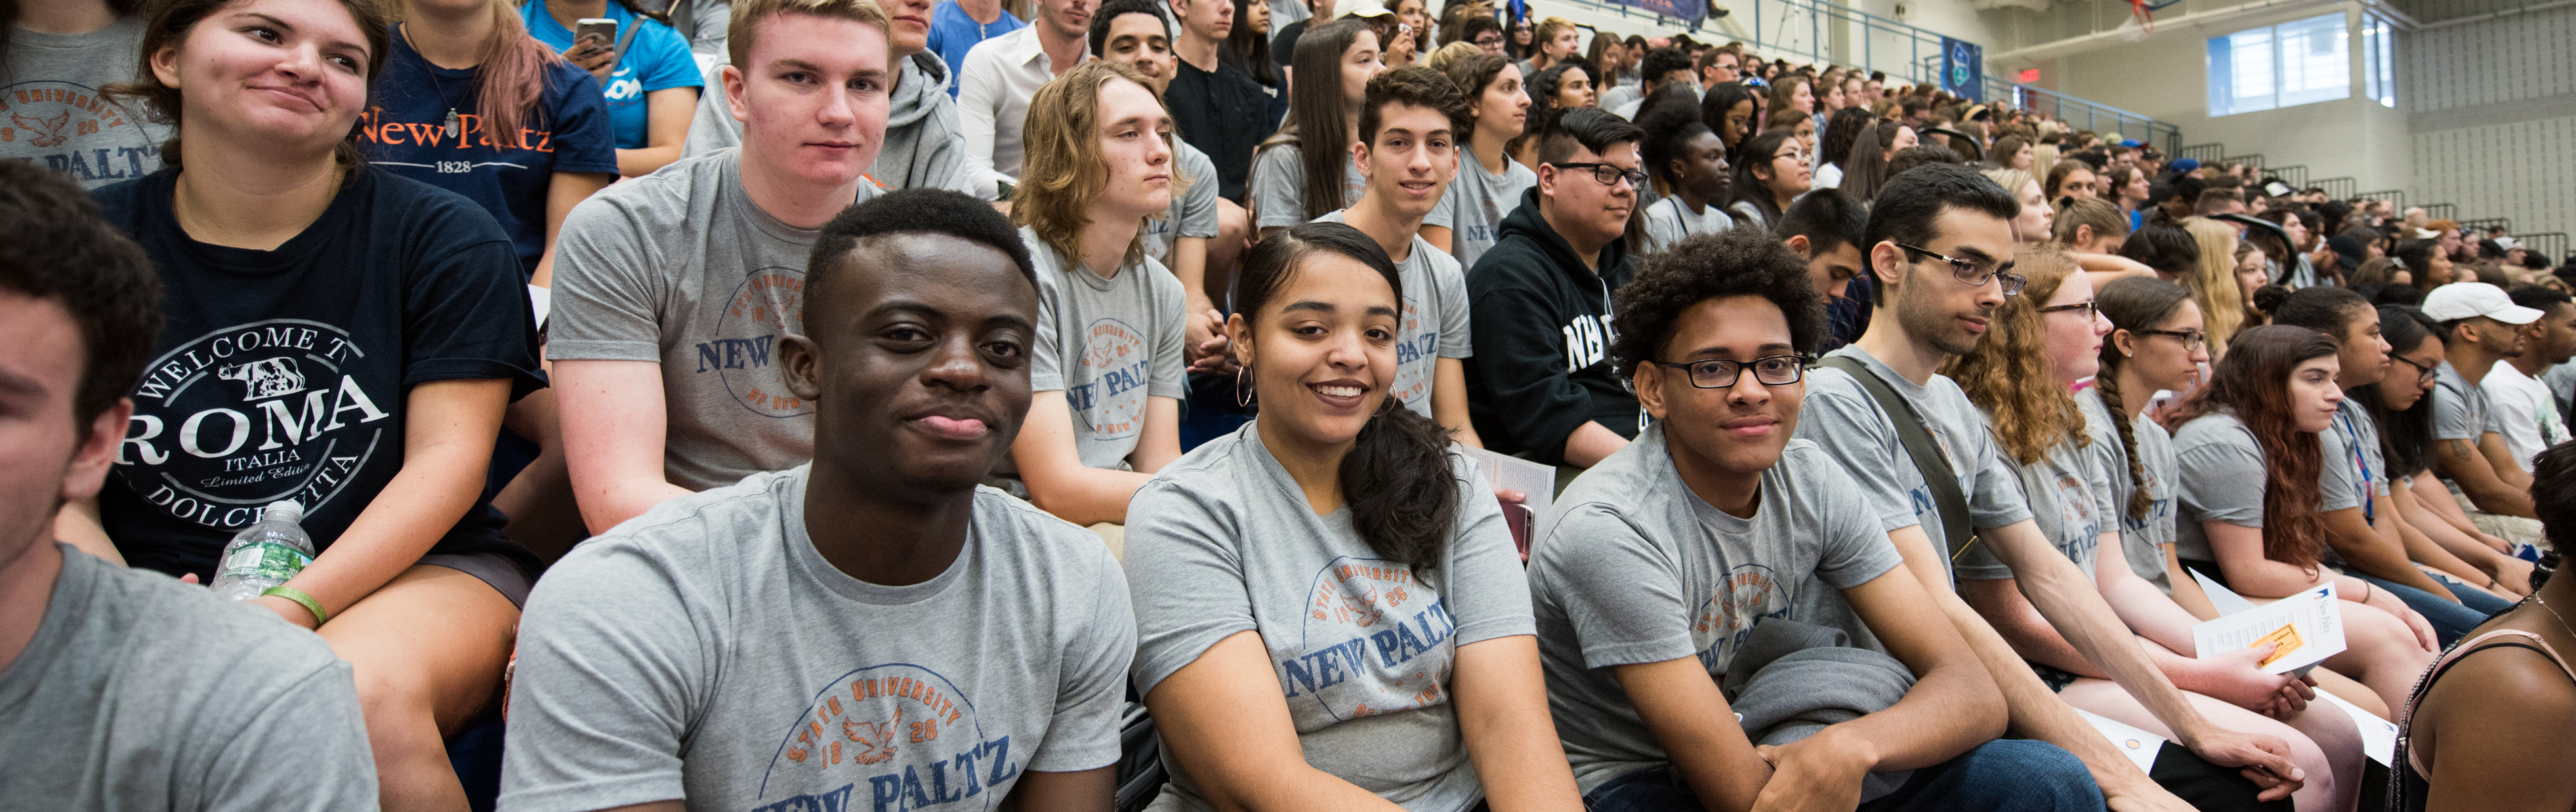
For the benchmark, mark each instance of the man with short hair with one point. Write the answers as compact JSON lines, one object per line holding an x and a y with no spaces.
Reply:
{"x":1408,"y":150}
{"x":925,"y":639}
{"x":1660,"y":65}
{"x":1540,"y":382}
{"x":2480,"y":327}
{"x":672,"y":290}
{"x":1671,"y":571}
{"x":2526,"y":410}
{"x":1216,"y":107}
{"x":1719,"y":66}
{"x":1940,"y":250}
{"x":1825,"y":228}
{"x":1001,"y":74}
{"x":2216,"y":200}
{"x":921,"y":148}
{"x":120,"y":688}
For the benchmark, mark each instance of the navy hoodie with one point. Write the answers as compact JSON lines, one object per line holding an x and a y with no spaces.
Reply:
{"x":1542,"y":366}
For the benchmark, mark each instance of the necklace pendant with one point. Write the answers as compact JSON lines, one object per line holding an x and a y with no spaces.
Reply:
{"x":454,"y":123}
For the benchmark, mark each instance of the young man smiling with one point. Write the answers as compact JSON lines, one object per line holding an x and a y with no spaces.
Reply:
{"x":871,"y":631}
{"x":1408,"y":151}
{"x":673,"y":291}
{"x":1540,"y":382}
{"x":1940,"y":247}
{"x":1653,"y":574}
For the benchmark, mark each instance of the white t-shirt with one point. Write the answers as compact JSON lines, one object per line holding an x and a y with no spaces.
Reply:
{"x":2525,"y":409}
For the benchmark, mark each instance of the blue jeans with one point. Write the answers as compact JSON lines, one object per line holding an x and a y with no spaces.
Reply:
{"x":2004,"y":775}
{"x":2449,"y":619}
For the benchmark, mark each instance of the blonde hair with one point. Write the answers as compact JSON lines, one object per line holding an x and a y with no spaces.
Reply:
{"x":2213,"y":281}
{"x":2105,"y":219}
{"x":2011,"y":180}
{"x":2008,"y":373}
{"x":1063,"y":170}
{"x":1440,"y":60}
{"x":748,"y":16}
{"x":1546,"y":33}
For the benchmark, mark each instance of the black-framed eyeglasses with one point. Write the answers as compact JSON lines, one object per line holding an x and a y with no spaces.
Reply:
{"x":1715,"y":373}
{"x":1609,"y":174}
{"x":1489,"y":38}
{"x":2423,"y":374}
{"x":1973,"y":273}
{"x":2192,"y":340}
{"x":2089,"y":307}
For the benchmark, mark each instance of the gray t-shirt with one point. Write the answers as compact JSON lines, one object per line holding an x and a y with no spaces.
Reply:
{"x":2069,"y":498}
{"x":1107,"y":344}
{"x":1435,"y":320}
{"x":2221,"y":471}
{"x":681,"y":268}
{"x":139,"y":692}
{"x":2353,"y":460}
{"x":706,"y":651}
{"x":2461,"y":411}
{"x":1670,"y":220}
{"x":1277,"y":188}
{"x":1632,"y":568}
{"x":2142,"y":538}
{"x":57,"y":119}
{"x":1847,"y":423}
{"x":1477,"y":201}
{"x":1222,"y":541}
{"x":1193,"y":210}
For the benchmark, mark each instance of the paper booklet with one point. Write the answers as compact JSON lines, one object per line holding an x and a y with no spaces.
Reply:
{"x":2378,"y":736}
{"x":1535,"y":481}
{"x":2136,"y":743}
{"x":2305,"y":628}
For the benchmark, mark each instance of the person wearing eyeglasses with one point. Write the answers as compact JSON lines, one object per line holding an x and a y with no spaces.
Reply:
{"x":1772,"y":174}
{"x":1941,"y":253}
{"x":1540,"y":382}
{"x":1650,"y":579}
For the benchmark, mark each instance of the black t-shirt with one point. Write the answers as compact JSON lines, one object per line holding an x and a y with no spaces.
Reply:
{"x":283,"y":374}
{"x":1225,"y":114}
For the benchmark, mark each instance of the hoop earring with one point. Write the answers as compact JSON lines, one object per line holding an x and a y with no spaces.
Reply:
{"x":1387,"y":406}
{"x":1242,"y":395}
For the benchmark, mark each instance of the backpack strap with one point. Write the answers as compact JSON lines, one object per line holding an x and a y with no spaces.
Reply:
{"x":618,"y":56}
{"x":1928,"y":459}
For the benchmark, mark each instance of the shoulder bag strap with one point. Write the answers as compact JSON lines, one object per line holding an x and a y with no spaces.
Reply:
{"x":1928,"y":460}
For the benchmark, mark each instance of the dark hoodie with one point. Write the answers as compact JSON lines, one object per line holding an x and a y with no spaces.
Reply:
{"x":1542,"y":366}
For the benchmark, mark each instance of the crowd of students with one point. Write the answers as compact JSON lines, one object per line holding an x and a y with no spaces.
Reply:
{"x":936,"y":379}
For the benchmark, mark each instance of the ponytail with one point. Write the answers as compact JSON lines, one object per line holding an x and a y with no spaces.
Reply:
{"x":1398,"y":479}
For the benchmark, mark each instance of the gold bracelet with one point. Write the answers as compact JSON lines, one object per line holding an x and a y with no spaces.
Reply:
{"x":297,"y":595}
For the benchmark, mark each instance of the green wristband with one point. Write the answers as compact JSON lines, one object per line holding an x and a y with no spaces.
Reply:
{"x":297,"y":595}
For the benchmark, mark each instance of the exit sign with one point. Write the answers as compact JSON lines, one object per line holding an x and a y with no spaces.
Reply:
{"x":2029,"y":75}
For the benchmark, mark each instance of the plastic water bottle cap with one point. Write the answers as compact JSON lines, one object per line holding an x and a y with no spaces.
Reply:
{"x":292,"y":511}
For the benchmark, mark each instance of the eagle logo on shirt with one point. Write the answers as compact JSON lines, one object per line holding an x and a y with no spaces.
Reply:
{"x":888,"y":737}
{"x":52,"y":128}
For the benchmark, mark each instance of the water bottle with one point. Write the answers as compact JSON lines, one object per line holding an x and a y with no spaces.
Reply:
{"x":264,"y":554}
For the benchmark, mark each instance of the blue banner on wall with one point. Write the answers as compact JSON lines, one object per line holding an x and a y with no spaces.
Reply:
{"x":1688,"y":11}
{"x":1963,"y":69}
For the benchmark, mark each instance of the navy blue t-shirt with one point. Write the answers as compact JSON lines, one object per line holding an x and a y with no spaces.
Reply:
{"x":405,"y":130}
{"x":282,"y":374}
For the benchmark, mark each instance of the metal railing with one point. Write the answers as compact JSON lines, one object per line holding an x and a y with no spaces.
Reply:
{"x":2395,"y":197}
{"x":2204,"y":153}
{"x":2255,"y":160}
{"x":2103,"y":120}
{"x":2441,"y":211}
{"x":2551,"y":244}
{"x":2339,"y":188}
{"x":2479,"y":226}
{"x":2295,"y":175}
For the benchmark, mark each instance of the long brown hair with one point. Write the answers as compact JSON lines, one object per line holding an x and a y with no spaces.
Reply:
{"x":169,"y":26}
{"x":1064,"y":170}
{"x":1318,"y":115}
{"x":2134,"y":304}
{"x":2008,"y":373}
{"x":509,"y":77}
{"x":2253,"y":383}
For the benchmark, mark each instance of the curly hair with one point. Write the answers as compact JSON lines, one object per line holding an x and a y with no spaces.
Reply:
{"x":1735,"y":262}
{"x":2253,"y":383}
{"x":2009,"y":374}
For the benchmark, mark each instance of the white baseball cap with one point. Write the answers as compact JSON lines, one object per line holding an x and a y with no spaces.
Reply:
{"x":2460,"y":300}
{"x":1364,"y":8}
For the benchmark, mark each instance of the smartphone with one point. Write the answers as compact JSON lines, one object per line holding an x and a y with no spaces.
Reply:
{"x":596,"y":29}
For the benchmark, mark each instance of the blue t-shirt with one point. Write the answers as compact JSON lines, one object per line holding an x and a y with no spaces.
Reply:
{"x":284,"y":374}
{"x":953,"y":33}
{"x":405,"y":131}
{"x":658,"y":59}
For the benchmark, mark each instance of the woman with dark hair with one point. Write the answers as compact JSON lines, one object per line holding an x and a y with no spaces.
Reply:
{"x":1773,"y":173}
{"x":2428,"y":263}
{"x":1247,"y":48}
{"x":2128,"y":187}
{"x":2041,"y":343}
{"x":2012,"y":152}
{"x":1690,"y":163}
{"x":56,"y":54}
{"x":2156,"y":344}
{"x":1523,"y":36}
{"x":2400,"y":406}
{"x":1305,"y":171}
{"x":645,"y":71}
{"x":1552,"y":92}
{"x":1489,"y":182}
{"x":1734,"y":112}
{"x":384,"y":325}
{"x":1275,"y":566}
{"x":1841,"y":132}
{"x":2249,"y":460}
{"x":1865,"y":169}
{"x":539,"y":133}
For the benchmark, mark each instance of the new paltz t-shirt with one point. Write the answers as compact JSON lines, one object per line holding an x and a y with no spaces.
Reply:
{"x":707,"y":652}
{"x":1223,"y":541}
{"x":2220,"y":467}
{"x":283,"y":374}
{"x":404,"y":130}
{"x":1848,"y":424}
{"x":2143,"y":536}
{"x":682,"y":269}
{"x":1632,"y":567}
{"x":2069,"y":497}
{"x":1434,"y":325}
{"x":52,"y":114}
{"x":1107,"y":343}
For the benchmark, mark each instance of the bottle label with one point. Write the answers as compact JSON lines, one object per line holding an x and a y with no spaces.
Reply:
{"x":266,"y":560}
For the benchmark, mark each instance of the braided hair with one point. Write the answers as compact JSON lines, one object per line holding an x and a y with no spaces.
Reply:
{"x":2132,"y":304}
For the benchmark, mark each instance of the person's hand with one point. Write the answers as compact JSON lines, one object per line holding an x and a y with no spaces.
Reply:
{"x":293,"y":612}
{"x":2237,"y":677}
{"x":1403,"y":45}
{"x":1820,"y":772}
{"x":2264,"y":760}
{"x":2514,"y":575}
{"x":190,"y":578}
{"x":594,"y":56}
{"x":2141,"y":794}
{"x":1203,"y":342}
{"x":2387,"y":601}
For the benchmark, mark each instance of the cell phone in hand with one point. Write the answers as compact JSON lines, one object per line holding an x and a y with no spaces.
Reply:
{"x":598,"y":30}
